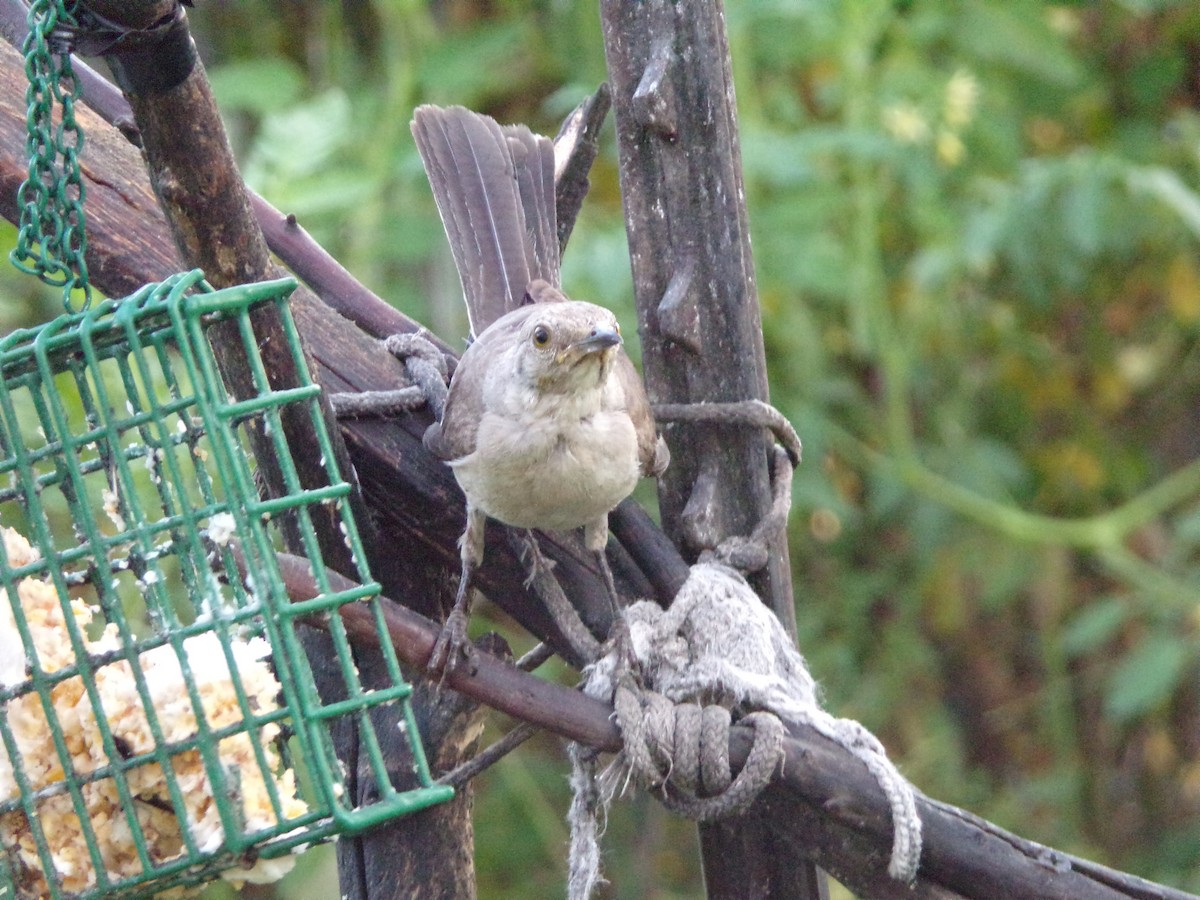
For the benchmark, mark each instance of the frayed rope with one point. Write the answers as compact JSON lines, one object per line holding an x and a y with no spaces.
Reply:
{"x":678,"y":677}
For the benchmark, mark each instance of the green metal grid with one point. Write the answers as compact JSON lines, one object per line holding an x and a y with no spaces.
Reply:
{"x":120,"y":451}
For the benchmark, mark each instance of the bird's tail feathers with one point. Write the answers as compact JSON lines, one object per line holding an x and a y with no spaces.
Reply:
{"x":494,"y":189}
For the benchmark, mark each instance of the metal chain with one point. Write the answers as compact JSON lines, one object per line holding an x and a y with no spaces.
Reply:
{"x":51,"y":240}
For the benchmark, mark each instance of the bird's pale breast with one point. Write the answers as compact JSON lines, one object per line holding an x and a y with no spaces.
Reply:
{"x":528,"y":473}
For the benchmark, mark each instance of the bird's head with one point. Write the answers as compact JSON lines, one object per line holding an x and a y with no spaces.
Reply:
{"x":569,"y":345}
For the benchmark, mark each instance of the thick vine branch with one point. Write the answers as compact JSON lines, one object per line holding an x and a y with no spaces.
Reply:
{"x":823,"y":799}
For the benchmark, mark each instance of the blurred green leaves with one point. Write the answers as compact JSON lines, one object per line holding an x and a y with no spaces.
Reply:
{"x":1095,"y":625}
{"x":259,"y":86}
{"x":1147,"y":676}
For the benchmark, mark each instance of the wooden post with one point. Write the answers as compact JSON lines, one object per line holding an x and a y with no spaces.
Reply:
{"x":693,"y":276}
{"x":210,"y":214}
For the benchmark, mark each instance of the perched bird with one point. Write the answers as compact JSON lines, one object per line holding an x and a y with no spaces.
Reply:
{"x":546,"y":424}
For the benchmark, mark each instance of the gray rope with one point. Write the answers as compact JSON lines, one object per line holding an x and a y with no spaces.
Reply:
{"x":424,"y":364}
{"x":754,"y":413}
{"x":751,"y":553}
{"x":367,"y":404}
{"x":717,"y":640}
{"x":586,"y":817}
{"x":682,"y":750}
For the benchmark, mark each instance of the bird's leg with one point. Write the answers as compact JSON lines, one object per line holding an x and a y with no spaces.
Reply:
{"x":452,"y":645}
{"x":614,"y":599}
{"x":537,"y":565}
{"x":595,"y":538}
{"x":540,"y":579}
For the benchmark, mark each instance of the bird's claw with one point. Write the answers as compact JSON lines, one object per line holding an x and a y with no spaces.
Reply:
{"x":620,"y":644}
{"x":452,"y":648}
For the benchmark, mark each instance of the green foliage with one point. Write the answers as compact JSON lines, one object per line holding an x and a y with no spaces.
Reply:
{"x":1148,"y":676}
{"x":1094,"y":626}
{"x":987,"y":220}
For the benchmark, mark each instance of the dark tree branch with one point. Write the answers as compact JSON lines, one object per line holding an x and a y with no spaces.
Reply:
{"x":823,"y":803}
{"x":209,"y":215}
{"x":418,"y":505}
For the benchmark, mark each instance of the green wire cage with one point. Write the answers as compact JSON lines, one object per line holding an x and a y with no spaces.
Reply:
{"x":159,"y":719}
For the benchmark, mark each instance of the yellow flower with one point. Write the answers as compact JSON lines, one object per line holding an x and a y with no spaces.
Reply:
{"x":950,"y":148}
{"x":905,"y":123}
{"x":962,"y":97}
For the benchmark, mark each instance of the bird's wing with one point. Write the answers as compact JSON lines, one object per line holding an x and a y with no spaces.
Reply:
{"x":653,"y":455}
{"x":455,"y":435}
{"x":490,"y":185}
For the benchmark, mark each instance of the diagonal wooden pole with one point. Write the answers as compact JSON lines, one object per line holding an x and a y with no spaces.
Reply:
{"x":211,"y":219}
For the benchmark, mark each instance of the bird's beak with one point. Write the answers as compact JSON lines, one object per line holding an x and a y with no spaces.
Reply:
{"x":600,"y":339}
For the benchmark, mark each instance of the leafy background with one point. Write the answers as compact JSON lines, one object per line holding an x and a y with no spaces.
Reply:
{"x":975,"y":229}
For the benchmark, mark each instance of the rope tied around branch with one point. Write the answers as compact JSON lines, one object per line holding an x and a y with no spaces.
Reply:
{"x":720,"y":650}
{"x":680,"y":678}
{"x":427,"y":370}
{"x":754,"y":413}
{"x":749,"y":553}
{"x":682,"y":751}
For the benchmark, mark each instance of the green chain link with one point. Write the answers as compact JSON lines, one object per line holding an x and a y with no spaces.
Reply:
{"x":51,"y":241}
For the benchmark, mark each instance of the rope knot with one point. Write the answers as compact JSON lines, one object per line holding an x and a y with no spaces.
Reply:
{"x":415,"y":346}
{"x":681,"y":750}
{"x":717,"y":640}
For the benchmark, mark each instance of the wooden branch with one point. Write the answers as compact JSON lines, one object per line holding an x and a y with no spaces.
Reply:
{"x":823,"y":804}
{"x":364,"y":369}
{"x":693,"y":276}
{"x":199,"y":187}
{"x":417,"y":505}
{"x":198,"y":183}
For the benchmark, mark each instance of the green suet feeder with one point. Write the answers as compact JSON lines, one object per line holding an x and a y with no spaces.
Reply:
{"x":159,"y":721}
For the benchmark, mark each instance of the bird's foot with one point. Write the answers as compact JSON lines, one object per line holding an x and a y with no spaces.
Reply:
{"x":537,"y":564}
{"x":452,"y":648}
{"x":620,"y":645}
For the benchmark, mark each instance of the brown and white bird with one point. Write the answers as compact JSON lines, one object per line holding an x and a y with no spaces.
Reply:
{"x":547,"y":424}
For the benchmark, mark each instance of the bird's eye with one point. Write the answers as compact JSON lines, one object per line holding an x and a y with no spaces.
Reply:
{"x":541,"y":336}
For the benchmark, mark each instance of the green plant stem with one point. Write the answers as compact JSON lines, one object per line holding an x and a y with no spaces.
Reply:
{"x":1147,"y":578}
{"x":1101,"y":532}
{"x":874,"y":327}
{"x":872,"y":320}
